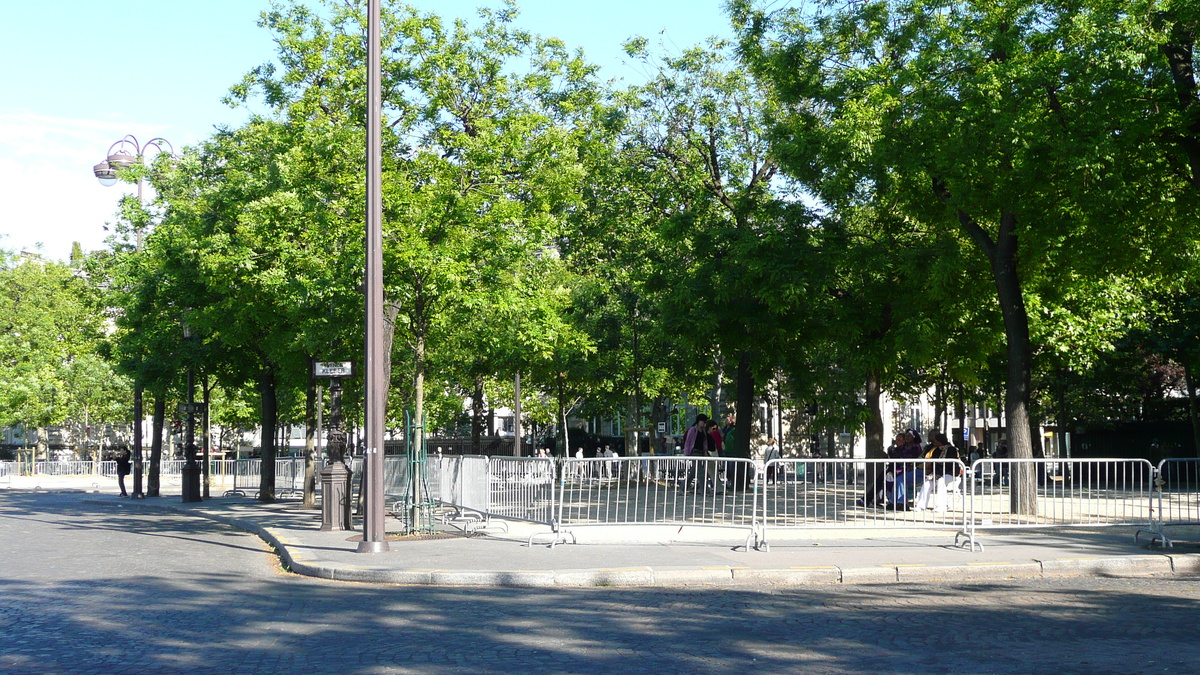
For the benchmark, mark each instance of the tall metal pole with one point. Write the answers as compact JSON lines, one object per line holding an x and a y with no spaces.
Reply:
{"x":374,"y":539}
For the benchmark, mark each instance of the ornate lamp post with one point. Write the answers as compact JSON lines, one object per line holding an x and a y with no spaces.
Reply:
{"x":335,"y":478}
{"x":119,"y":157}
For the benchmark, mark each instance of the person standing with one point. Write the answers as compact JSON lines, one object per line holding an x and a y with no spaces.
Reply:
{"x":697,"y":443}
{"x":123,"y":469}
{"x":718,"y":439}
{"x":877,"y":486}
{"x":770,"y":452}
{"x":940,"y":475}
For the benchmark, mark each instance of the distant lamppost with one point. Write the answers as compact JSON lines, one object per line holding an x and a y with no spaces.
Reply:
{"x":118,"y":158}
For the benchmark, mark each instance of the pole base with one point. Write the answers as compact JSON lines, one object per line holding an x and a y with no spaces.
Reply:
{"x":372,"y":547}
{"x":191,"y":483}
{"x":335,"y":498}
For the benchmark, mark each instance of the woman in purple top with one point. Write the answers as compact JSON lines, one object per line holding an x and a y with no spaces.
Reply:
{"x":908,"y":473}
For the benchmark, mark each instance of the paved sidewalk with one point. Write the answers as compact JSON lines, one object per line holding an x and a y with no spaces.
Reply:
{"x":667,"y":556}
{"x":694,"y":556}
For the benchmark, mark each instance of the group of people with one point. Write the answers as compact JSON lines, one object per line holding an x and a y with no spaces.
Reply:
{"x":707,"y":438}
{"x":919,"y":474}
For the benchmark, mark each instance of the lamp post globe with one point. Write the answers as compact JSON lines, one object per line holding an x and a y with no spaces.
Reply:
{"x":105,"y":173}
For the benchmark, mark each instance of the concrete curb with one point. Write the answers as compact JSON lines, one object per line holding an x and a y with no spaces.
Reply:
{"x":299,"y":563}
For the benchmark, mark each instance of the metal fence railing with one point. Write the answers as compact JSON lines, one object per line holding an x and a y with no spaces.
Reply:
{"x":664,"y":490}
{"x":1091,"y":492}
{"x":462,"y":483}
{"x":1176,"y":498}
{"x":760,"y":499}
{"x":801,"y":494}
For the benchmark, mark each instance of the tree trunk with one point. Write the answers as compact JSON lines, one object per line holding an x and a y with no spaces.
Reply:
{"x":562,"y":416}
{"x":939,"y":408}
{"x":518,"y":429}
{"x":874,"y":426}
{"x":477,"y":415}
{"x":658,"y":413}
{"x":156,"y":445}
{"x":1061,"y":414}
{"x":270,"y":421}
{"x":633,"y":421}
{"x":1002,"y":254}
{"x":206,"y":436}
{"x":310,"y":438}
{"x":1018,"y":384}
{"x":718,"y":392}
{"x":419,"y":379}
{"x":745,"y":408}
{"x":1191,"y":390}
{"x":42,"y":446}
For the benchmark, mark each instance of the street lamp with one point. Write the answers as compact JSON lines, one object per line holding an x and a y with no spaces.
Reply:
{"x":119,"y":157}
{"x":374,"y":538}
{"x":125,"y":154}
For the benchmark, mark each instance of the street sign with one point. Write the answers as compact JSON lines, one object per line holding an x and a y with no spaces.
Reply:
{"x":662,"y":427}
{"x":333,"y":369}
{"x":190,"y":408}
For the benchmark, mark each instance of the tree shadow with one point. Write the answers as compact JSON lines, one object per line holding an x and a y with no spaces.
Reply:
{"x":227,"y":620}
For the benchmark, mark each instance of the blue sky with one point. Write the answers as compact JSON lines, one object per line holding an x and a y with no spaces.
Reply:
{"x":79,"y":75}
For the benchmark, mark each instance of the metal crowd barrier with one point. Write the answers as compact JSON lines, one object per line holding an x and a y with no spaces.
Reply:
{"x":1176,"y":498}
{"x":463,"y":484}
{"x":1086,"y":492}
{"x":521,"y":488}
{"x":667,"y":490}
{"x":64,"y":467}
{"x":802,"y":494}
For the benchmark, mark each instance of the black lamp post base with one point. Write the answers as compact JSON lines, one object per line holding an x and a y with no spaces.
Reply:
{"x":191,"y":483}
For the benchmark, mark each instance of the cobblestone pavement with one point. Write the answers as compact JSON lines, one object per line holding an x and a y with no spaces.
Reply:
{"x":92,"y":588}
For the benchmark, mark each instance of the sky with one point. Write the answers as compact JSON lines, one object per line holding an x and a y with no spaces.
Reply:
{"x":81,"y":75}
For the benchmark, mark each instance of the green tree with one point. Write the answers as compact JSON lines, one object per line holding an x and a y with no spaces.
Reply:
{"x":1019,"y":125}
{"x":52,"y":329}
{"x":739,"y":242}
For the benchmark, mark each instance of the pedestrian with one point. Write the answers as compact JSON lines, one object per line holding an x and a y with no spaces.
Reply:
{"x":940,"y":476}
{"x":123,"y":469}
{"x":907,"y":474}
{"x":697,"y":443}
{"x":1001,"y":452}
{"x":771,"y":452}
{"x":718,"y":439}
{"x":879,"y":476}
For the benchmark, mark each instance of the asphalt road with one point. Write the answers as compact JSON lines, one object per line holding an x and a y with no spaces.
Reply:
{"x":96,"y":588}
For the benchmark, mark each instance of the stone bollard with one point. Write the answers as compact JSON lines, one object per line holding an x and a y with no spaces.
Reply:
{"x":335,"y":498}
